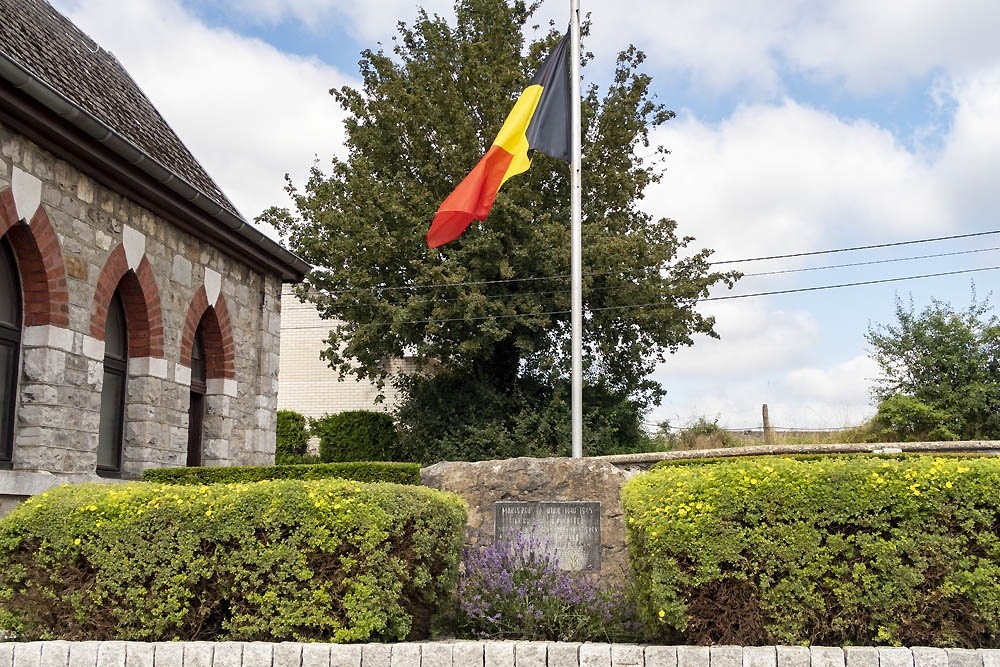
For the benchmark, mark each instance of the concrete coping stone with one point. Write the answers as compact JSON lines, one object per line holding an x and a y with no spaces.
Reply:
{"x":475,"y":654}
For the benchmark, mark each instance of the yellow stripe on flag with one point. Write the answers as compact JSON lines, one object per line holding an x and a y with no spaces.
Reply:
{"x":511,"y":136}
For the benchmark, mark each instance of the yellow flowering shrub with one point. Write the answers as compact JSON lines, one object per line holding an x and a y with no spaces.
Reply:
{"x":328,"y":560}
{"x":828,"y":550}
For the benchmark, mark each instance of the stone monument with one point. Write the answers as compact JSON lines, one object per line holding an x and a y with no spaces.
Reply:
{"x":574,"y":505}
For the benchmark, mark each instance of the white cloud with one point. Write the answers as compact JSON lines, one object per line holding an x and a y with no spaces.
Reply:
{"x":772,"y":179}
{"x":845,"y":383}
{"x":754,"y":338}
{"x":863,"y":45}
{"x":371,"y":20}
{"x":248,"y":112}
{"x":874,"y":44}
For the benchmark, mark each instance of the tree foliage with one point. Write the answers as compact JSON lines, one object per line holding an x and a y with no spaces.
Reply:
{"x":492,"y":308}
{"x":940,"y":372}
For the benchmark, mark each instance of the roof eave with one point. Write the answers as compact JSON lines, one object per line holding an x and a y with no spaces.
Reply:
{"x":233,"y":226}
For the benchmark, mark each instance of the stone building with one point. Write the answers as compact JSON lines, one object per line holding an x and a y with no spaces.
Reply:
{"x":139,"y":311}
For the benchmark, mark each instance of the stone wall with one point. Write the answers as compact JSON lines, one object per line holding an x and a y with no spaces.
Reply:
{"x":483,"y":484}
{"x":476,"y":654}
{"x":76,"y":241}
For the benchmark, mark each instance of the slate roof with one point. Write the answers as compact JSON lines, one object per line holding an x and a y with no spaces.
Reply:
{"x":52,"y":49}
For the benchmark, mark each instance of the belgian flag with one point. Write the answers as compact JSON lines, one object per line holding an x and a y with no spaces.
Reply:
{"x":539,"y":121}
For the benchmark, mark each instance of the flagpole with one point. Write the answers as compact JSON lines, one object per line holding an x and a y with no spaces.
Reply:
{"x":576,"y":206}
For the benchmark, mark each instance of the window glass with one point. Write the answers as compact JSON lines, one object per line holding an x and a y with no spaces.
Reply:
{"x":109,"y":441}
{"x":10,"y":339}
{"x":8,"y":371}
{"x":10,"y":290}
{"x":115,"y":335}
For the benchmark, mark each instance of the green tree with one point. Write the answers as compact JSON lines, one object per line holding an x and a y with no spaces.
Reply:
{"x":492,"y":308}
{"x":940,"y":372}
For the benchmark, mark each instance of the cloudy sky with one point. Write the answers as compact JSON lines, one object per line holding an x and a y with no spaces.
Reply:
{"x":802,"y":126}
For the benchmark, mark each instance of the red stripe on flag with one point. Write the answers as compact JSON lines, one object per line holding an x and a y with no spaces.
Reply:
{"x":471,"y":200}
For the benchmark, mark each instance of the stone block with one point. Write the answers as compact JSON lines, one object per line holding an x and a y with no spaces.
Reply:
{"x":471,"y":653}
{"x":895,"y":656}
{"x":693,"y":656}
{"x":861,"y":656}
{"x":139,"y":654}
{"x":286,"y":654}
{"x":725,"y":656}
{"x":530,"y":654}
{"x":436,"y":654}
{"x":793,"y":656}
{"x":760,"y":656}
{"x":227,"y":654}
{"x":83,"y":654}
{"x":964,"y":657}
{"x":315,"y":655}
{"x":376,"y":655}
{"x":405,"y":655}
{"x":595,"y":655}
{"x":259,"y":653}
{"x":660,"y":656}
{"x":498,"y":654}
{"x":6,"y":648}
{"x":991,"y":657}
{"x":826,"y":656}
{"x":54,"y":654}
{"x":198,"y":654}
{"x":168,"y":654}
{"x":112,"y":654}
{"x":28,"y":655}
{"x":626,"y":655}
{"x":563,"y":654}
{"x":344,"y":655}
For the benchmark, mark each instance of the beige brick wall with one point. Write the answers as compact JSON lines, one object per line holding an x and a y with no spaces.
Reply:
{"x":306,"y":383}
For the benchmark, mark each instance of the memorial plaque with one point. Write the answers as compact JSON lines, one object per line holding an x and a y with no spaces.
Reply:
{"x":571,"y":529}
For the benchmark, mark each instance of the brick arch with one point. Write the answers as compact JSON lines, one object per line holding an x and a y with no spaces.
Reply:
{"x":40,"y":263}
{"x":142,"y":304}
{"x":217,"y":335}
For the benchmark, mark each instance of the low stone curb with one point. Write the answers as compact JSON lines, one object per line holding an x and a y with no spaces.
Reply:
{"x":475,"y":654}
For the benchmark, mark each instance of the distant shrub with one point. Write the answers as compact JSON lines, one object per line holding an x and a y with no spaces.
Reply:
{"x":291,"y":437}
{"x":398,"y":473}
{"x":517,"y":591}
{"x":701,"y":434}
{"x":357,"y":435}
{"x":327,"y":560}
{"x":827,"y":550}
{"x":902,"y":418}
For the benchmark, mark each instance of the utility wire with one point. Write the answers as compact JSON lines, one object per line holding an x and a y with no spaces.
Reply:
{"x":711,"y":298}
{"x":591,"y":290}
{"x":870,"y":263}
{"x":565,"y":276}
{"x":860,"y":247}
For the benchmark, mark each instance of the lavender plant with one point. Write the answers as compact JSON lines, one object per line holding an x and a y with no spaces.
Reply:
{"x":516,"y":590}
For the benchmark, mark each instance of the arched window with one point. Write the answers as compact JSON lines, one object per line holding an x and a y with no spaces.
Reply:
{"x":196,"y":412}
{"x":10,"y":344}
{"x":109,"y":445}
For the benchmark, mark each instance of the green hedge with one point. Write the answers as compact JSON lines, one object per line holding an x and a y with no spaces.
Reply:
{"x":357,"y":435}
{"x":291,"y":437}
{"x":397,"y":473}
{"x":326,"y":560}
{"x":845,"y":550}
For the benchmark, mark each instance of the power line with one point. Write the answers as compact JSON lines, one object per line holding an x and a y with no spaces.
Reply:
{"x":856,"y":284}
{"x":510,"y":295}
{"x":870,"y":263}
{"x":711,"y":298}
{"x":860,"y":247}
{"x":565,"y":276}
